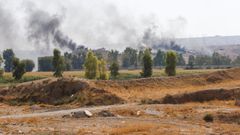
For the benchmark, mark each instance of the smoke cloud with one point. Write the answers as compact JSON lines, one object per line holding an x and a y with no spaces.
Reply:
{"x":68,"y":25}
{"x":7,"y":36}
{"x":44,"y":31}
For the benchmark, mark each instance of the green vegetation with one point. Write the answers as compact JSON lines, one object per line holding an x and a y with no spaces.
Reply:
{"x":45,"y":63}
{"x":8,"y":56}
{"x":18,"y":69}
{"x":171,"y":60}
{"x":180,"y":60}
{"x":58,"y":63}
{"x":91,"y":66}
{"x":129,"y":58}
{"x":29,"y":65}
{"x":103,"y":75}
{"x":191,"y":60}
{"x":147,"y":64}
{"x":114,"y":70}
{"x":159,"y":59}
{"x":208,"y":118}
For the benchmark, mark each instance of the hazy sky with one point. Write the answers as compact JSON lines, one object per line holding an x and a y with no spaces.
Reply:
{"x":120,"y":23}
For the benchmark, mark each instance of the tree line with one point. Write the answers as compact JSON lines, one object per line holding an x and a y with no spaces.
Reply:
{"x":103,"y":60}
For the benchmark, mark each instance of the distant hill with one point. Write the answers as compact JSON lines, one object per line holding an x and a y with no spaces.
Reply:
{"x":209,"y":41}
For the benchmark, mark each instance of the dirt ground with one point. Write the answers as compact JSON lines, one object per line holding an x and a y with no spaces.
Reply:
{"x":126,"y":114}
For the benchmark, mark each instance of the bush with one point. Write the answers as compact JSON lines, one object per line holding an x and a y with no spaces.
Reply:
{"x":114,"y":69}
{"x":1,"y":73}
{"x":91,"y":66}
{"x":147,"y":64}
{"x":171,"y":60}
{"x":18,"y":69}
{"x":58,"y":63}
{"x":102,"y":70}
{"x":208,"y":118}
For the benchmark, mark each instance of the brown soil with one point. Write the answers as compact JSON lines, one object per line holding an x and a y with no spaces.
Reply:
{"x":58,"y":91}
{"x":155,"y":88}
{"x":91,"y":92}
{"x":201,"y":96}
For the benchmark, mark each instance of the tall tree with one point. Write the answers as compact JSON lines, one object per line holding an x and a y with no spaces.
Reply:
{"x":103,"y":75}
{"x":140,"y":58}
{"x":191,"y":60}
{"x":1,"y":61}
{"x":236,"y":61}
{"x":159,"y":59}
{"x":129,"y":57}
{"x":18,"y":69}
{"x":8,"y":56}
{"x":113,"y":56}
{"x":58,"y":63}
{"x":91,"y":66}
{"x":114,"y":69}
{"x":171,"y":60}
{"x":45,"y":63}
{"x":180,"y":60}
{"x":147,"y":64}
{"x":29,"y":65}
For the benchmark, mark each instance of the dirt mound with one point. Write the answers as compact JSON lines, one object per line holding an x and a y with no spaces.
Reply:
{"x":59,"y":91}
{"x":158,"y":87}
{"x":201,"y":96}
{"x":233,"y":117}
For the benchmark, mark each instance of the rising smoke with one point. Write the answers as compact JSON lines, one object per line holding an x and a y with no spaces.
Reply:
{"x":105,"y":27}
{"x":44,"y":30}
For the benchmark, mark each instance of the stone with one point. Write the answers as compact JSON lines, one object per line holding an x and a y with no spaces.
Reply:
{"x":81,"y":114}
{"x":88,"y":113}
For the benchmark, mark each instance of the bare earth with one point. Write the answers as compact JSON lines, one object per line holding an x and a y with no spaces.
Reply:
{"x":128,"y":117}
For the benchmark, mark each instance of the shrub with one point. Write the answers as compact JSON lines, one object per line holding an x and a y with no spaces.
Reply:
{"x":147,"y":64}
{"x":171,"y":60}
{"x":102,"y":70}
{"x":114,"y":69}
{"x":18,"y":69}
{"x":58,"y":63}
{"x":208,"y":118}
{"x":1,"y":73}
{"x":91,"y":66}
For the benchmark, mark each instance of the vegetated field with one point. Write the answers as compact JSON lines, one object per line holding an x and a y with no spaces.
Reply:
{"x":124,"y":75}
{"x":138,"y":106}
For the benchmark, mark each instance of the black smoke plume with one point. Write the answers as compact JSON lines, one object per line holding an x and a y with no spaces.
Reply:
{"x":44,"y":31}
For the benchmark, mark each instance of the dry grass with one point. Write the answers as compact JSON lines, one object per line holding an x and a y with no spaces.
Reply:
{"x":123,"y":73}
{"x":131,"y":129}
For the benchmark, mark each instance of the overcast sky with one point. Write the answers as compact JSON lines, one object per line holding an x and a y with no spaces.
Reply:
{"x":115,"y":24}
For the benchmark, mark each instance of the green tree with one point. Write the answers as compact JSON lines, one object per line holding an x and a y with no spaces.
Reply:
{"x":58,"y":63}
{"x":203,"y":60}
{"x":129,"y":57}
{"x":103,"y":75}
{"x":91,"y":66}
{"x":1,"y":61}
{"x":113,"y":56}
{"x":171,"y":60}
{"x":29,"y":65}
{"x":236,"y":61}
{"x":114,"y":68}
{"x":147,"y":64}
{"x":45,"y":63}
{"x":191,"y":60}
{"x":18,"y":69}
{"x":180,"y":60}
{"x":159,"y":59}
{"x":8,"y":56}
{"x":140,"y":58}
